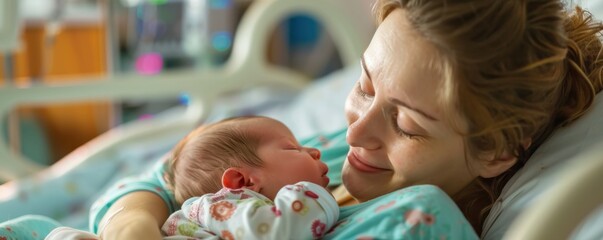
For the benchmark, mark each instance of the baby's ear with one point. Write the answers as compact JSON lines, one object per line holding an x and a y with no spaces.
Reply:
{"x":234,"y":178}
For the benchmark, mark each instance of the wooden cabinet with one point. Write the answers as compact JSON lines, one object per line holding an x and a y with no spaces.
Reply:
{"x":78,"y":52}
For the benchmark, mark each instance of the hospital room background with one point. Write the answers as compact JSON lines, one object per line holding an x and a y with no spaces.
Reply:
{"x":92,"y":91}
{"x":64,"y":41}
{"x":90,"y":41}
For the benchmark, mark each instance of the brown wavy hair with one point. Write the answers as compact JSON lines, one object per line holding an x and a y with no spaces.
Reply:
{"x":198,"y":161}
{"x":516,"y":71}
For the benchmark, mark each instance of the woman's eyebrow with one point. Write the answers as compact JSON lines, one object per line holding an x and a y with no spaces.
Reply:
{"x":363,"y":63}
{"x":398,"y":102}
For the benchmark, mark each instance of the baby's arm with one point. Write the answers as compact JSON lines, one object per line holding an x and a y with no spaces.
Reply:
{"x":136,"y":215}
{"x":304,"y":210}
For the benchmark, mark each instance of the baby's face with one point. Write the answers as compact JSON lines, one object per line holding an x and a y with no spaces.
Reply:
{"x":285,"y":161}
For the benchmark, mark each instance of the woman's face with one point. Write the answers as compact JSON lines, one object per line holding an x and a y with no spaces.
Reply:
{"x":398,"y":133}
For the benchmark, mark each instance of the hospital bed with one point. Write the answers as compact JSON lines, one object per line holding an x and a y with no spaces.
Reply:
{"x":547,"y":199}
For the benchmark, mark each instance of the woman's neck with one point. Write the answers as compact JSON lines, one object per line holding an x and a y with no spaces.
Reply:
{"x":343,"y":197}
{"x":475,"y":204}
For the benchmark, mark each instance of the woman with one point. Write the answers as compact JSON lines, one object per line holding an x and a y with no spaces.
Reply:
{"x":456,"y":94}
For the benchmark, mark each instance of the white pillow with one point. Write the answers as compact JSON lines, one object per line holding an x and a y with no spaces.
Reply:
{"x":541,"y":171}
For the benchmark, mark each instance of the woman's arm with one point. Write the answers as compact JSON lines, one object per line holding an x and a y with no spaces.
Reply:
{"x":137,"y":215}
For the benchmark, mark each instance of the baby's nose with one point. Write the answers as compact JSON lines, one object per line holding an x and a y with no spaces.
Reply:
{"x":315,"y":153}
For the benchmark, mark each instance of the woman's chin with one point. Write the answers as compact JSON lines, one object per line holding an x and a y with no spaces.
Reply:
{"x":358,"y":187}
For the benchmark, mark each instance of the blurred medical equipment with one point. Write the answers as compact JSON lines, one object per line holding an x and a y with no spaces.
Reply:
{"x":59,"y":39}
{"x":245,"y":69}
{"x":9,"y":34}
{"x":183,"y":28}
{"x":9,"y":25}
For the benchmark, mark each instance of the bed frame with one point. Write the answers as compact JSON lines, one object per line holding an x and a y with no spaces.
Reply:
{"x":245,"y":69}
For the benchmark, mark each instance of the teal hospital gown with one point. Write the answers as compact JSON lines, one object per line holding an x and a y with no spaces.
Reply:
{"x":417,"y":212}
{"x":27,"y":227}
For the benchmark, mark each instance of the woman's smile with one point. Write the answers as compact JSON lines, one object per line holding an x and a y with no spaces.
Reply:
{"x":361,"y":165}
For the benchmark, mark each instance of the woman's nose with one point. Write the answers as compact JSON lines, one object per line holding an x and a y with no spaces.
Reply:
{"x":365,"y":128}
{"x":315,"y":153}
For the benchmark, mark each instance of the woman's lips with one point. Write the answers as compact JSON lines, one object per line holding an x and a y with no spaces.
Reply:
{"x":362,"y":166}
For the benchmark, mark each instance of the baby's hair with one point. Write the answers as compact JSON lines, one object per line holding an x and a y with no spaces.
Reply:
{"x":198,"y":161}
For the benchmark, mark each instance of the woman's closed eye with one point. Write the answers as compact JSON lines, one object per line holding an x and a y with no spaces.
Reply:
{"x":361,"y":92}
{"x":400,"y":131}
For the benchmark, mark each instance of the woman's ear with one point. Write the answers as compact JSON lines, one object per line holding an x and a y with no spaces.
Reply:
{"x":495,"y":166}
{"x":235,"y":178}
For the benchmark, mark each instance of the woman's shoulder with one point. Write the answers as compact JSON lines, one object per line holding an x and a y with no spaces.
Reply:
{"x":425,"y":192}
{"x":416,"y":212}
{"x":423,"y":195}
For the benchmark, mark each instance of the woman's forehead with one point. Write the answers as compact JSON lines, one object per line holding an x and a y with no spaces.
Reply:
{"x":406,"y":64}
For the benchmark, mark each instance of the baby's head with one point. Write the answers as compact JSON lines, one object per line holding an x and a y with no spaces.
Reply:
{"x":257,"y":153}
